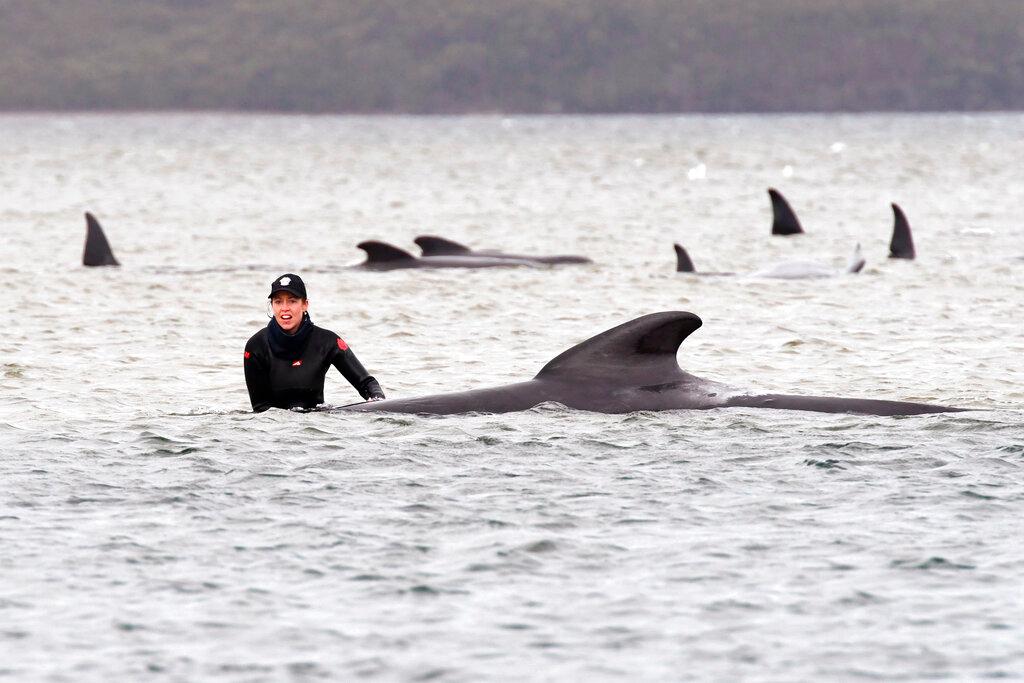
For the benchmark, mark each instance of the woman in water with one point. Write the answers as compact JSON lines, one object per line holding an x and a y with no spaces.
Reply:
{"x":286,"y":361}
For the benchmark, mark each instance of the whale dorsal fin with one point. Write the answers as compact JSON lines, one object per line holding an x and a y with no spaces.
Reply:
{"x":683,"y":262}
{"x":382,"y":252}
{"x":642,"y":351}
{"x":97,"y":249}
{"x":431,"y":245}
{"x":902,"y":243}
{"x":784,"y":221}
{"x":856,"y":262}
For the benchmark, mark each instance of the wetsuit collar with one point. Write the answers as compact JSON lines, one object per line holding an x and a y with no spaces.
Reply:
{"x":289,"y":346}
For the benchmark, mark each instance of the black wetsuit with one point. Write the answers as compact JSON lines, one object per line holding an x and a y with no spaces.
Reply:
{"x":287,"y":371}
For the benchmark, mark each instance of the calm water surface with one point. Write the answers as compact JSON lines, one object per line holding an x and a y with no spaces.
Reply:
{"x":154,"y":529}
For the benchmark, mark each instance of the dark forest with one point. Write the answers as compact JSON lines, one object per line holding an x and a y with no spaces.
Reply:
{"x":515,"y":56}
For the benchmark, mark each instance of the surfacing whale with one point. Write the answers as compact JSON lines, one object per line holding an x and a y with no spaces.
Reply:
{"x":432,"y":245}
{"x":902,"y":243}
{"x":630,"y":368}
{"x":784,"y":220}
{"x":384,"y":256}
{"x":787,"y":270}
{"x":684,"y":264}
{"x":97,"y":249}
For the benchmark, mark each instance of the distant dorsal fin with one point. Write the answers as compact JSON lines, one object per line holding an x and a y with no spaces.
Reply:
{"x":97,"y":249}
{"x":856,"y":262}
{"x":642,"y":351}
{"x":431,"y":245}
{"x":683,"y":262}
{"x":784,"y":221}
{"x":902,"y":243}
{"x":381,"y":252}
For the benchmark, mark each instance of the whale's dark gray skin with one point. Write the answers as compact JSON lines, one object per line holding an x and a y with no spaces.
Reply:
{"x":97,"y":249}
{"x":432,"y":245}
{"x":384,"y":256}
{"x":685,"y":265}
{"x":902,"y":243}
{"x":784,"y":221}
{"x":787,"y":270}
{"x":629,"y":368}
{"x":683,"y":262}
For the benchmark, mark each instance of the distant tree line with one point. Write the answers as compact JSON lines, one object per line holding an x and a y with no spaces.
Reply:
{"x":451,"y":56}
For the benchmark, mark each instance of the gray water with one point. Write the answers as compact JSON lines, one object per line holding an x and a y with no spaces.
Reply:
{"x":153,"y":528}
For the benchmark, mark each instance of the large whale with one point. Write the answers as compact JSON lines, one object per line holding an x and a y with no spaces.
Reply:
{"x":97,"y":248}
{"x":629,"y":368}
{"x":784,"y":220}
{"x":384,"y":256}
{"x":787,"y":270}
{"x":902,"y":243}
{"x":432,"y":245}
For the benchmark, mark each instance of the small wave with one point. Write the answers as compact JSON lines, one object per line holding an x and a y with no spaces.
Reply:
{"x":13,"y":370}
{"x":828,"y":464}
{"x":930,"y":564}
{"x":422,"y":589}
{"x":191,"y":587}
{"x":128,"y":626}
{"x":730,"y":605}
{"x":979,"y":496}
{"x":419,"y":507}
{"x":860,"y":598}
{"x":543,"y":546}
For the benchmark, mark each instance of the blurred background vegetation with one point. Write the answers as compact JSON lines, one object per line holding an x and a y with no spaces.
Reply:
{"x":446,"y":56}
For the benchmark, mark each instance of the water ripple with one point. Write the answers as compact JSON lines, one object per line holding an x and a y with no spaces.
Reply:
{"x":154,"y":528}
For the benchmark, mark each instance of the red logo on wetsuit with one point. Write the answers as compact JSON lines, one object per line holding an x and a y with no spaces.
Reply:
{"x":247,"y":354}
{"x":342,"y":345}
{"x":296,"y":364}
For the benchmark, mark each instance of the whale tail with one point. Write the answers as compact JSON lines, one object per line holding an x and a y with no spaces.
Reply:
{"x":831,"y":404}
{"x":644,"y":350}
{"x":683,"y":262}
{"x":784,"y":221}
{"x":97,"y":250}
{"x":902,"y":243}
{"x":431,"y":245}
{"x":856,"y":262}
{"x":382,"y":253}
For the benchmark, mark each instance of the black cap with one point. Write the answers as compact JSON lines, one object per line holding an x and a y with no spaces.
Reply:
{"x":289,"y":282}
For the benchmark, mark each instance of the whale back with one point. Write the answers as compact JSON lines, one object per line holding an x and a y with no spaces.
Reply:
{"x":784,"y":220}
{"x":431,"y":245}
{"x":382,"y":252}
{"x":902,"y":243}
{"x":97,"y":250}
{"x":641,"y":351}
{"x":683,"y":262}
{"x":628,"y":368}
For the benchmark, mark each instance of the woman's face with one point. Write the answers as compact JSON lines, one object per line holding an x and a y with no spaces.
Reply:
{"x":288,"y":310}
